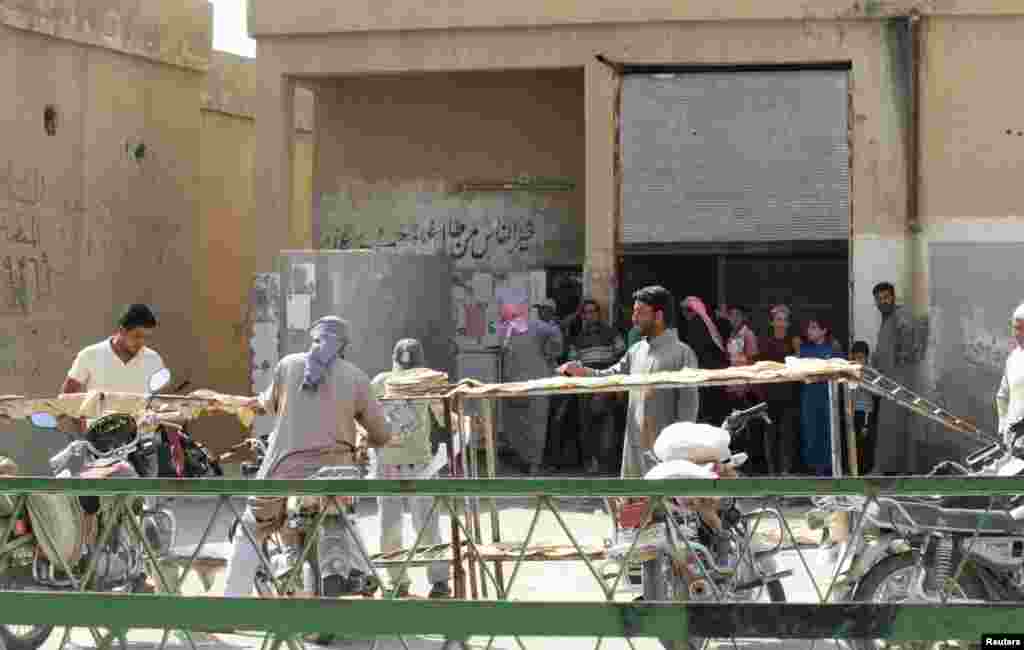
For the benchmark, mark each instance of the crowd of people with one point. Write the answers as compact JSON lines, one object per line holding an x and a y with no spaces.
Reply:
{"x":592,"y":431}
{"x":317,"y":397}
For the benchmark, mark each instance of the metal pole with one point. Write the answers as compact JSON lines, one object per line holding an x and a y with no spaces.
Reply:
{"x":474,"y":502}
{"x":490,"y":433}
{"x":851,"y":446}
{"x":833,"y":412}
{"x":457,"y":568}
{"x":839,"y":526}
{"x":460,"y":505}
{"x":851,"y":433}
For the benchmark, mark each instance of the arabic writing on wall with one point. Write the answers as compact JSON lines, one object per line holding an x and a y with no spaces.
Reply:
{"x":26,"y":270}
{"x":454,"y":236}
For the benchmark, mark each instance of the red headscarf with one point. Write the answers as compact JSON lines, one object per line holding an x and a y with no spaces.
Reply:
{"x":696,"y":305}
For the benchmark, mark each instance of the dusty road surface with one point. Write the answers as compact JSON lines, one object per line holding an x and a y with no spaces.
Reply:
{"x":537,"y":581}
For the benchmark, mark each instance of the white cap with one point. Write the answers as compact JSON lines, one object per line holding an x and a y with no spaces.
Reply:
{"x":680,"y":469}
{"x":699,"y":443}
{"x":1019,"y":313}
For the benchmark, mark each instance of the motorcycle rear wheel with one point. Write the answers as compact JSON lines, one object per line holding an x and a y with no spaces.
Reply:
{"x":21,"y":637}
{"x":874,"y":588}
{"x":24,"y":637}
{"x":660,"y":582}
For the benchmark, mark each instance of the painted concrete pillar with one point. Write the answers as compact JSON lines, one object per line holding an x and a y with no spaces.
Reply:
{"x":275,"y":115}
{"x":602,"y":231}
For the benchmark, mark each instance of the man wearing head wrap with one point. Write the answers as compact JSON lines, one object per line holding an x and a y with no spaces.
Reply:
{"x":530,"y":348}
{"x":1010,"y":397}
{"x":315,"y":398}
{"x":406,"y":458}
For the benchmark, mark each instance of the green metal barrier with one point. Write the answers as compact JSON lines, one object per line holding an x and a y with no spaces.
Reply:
{"x":473,"y":618}
{"x":462,"y":619}
{"x":580,"y":488}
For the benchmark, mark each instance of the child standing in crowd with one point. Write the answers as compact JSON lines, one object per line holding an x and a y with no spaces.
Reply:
{"x":864,"y":413}
{"x":816,"y":439}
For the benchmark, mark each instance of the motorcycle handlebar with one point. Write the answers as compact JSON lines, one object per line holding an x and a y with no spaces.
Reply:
{"x":752,"y":411}
{"x":737,"y":418}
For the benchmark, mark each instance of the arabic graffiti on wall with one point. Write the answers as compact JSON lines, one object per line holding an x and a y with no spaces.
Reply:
{"x":27,"y":274}
{"x":504,"y":231}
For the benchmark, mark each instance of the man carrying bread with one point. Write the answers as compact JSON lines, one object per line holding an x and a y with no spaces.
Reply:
{"x":659,"y":350}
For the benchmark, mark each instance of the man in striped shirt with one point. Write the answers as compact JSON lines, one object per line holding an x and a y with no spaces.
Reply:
{"x":595,"y":344}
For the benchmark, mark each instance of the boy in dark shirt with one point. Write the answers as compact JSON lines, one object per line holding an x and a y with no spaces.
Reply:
{"x":865,"y":412}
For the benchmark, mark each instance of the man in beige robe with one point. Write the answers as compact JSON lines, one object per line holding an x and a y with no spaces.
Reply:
{"x":316,"y":398}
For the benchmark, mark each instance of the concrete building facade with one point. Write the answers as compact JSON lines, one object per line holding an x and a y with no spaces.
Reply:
{"x":126,"y":175}
{"x":415,"y":102}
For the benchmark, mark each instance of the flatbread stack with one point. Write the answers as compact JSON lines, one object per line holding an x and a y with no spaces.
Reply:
{"x":415,"y":383}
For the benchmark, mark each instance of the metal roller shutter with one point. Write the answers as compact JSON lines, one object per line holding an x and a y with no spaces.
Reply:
{"x":735,"y":156}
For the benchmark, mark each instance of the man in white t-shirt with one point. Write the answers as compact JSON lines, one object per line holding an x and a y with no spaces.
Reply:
{"x":119,"y":364}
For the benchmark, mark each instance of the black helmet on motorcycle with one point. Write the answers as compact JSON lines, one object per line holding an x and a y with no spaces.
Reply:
{"x":111,"y":433}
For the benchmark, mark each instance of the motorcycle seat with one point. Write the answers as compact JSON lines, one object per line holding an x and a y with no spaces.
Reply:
{"x":979,"y":502}
{"x":975,"y":502}
{"x":934,"y":514}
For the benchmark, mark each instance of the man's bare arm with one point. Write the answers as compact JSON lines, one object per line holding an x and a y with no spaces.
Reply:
{"x":371,"y":416}
{"x":67,"y":423}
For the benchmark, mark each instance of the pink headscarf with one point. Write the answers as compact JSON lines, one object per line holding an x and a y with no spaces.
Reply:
{"x":514,"y":320}
{"x":696,"y":305}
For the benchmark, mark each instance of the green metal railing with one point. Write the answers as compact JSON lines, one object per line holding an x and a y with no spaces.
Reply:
{"x":283,"y":619}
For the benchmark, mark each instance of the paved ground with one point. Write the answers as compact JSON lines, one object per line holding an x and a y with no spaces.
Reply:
{"x":537,"y":581}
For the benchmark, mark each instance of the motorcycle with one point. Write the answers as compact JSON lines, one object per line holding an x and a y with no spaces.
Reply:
{"x":701,"y":549}
{"x":919,"y":544}
{"x":64,"y":543}
{"x":333,"y":568}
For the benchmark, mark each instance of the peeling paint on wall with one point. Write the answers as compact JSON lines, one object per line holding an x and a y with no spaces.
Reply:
{"x":497,"y":231}
{"x":972,"y":299}
{"x":983,"y":347}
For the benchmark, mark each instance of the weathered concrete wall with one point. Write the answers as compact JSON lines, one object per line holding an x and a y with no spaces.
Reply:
{"x":176,"y":32}
{"x":270,"y":17}
{"x":223,"y":260}
{"x":392,"y":150}
{"x":99,"y":210}
{"x":385,"y":296}
{"x":142,"y":193}
{"x":100,"y":214}
{"x":878,"y":169}
{"x":972,"y":233}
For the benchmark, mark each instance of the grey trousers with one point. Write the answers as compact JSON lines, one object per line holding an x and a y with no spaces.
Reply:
{"x":392,"y":523}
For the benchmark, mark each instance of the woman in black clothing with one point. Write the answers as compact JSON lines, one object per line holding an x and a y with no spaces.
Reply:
{"x":701,"y":333}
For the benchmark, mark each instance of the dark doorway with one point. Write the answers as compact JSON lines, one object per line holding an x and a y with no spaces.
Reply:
{"x":812,"y":283}
{"x":683,"y":275}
